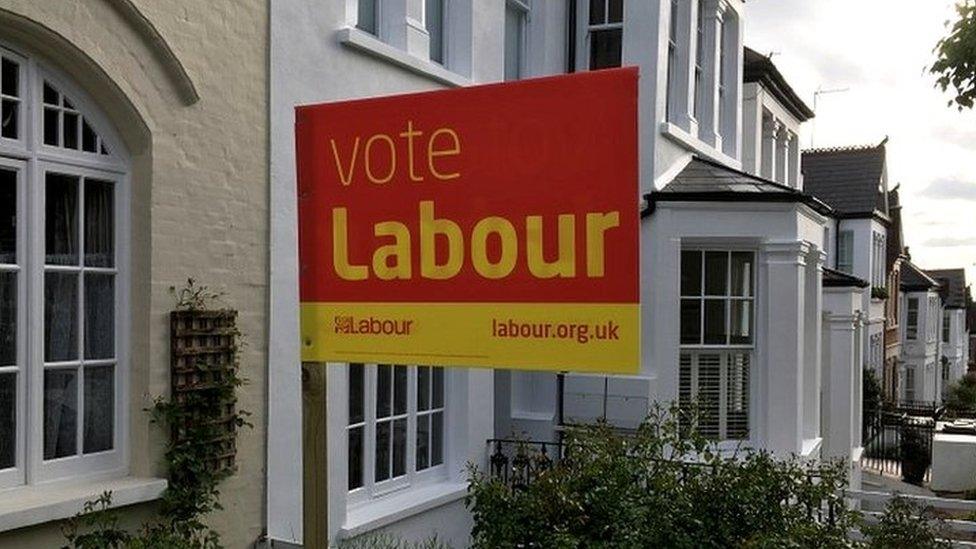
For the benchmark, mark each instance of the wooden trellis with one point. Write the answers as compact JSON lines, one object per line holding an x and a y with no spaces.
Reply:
{"x":203,"y":360}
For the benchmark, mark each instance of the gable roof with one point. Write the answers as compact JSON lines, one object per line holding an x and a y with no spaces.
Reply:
{"x":836,"y":279}
{"x":914,"y":278}
{"x":703,"y":180}
{"x":847,"y":179}
{"x":757,"y":67}
{"x":953,"y":284}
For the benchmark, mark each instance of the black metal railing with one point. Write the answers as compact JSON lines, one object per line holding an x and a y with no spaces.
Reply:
{"x":517,"y":463}
{"x":898,"y":443}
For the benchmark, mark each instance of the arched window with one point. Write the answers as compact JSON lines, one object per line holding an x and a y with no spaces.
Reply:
{"x":63,"y":280}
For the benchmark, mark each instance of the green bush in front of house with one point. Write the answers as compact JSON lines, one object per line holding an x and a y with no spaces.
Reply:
{"x":637,"y":491}
{"x":623,"y":491}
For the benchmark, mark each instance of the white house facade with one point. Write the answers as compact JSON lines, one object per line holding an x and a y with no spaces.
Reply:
{"x":953,"y":332}
{"x":921,"y":373}
{"x":854,"y":182}
{"x":731,"y":267}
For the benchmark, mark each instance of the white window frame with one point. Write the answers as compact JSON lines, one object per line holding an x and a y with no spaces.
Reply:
{"x":585,"y":30}
{"x":523,"y":9}
{"x":946,"y":326}
{"x":911,"y":325}
{"x":377,"y":24}
{"x":33,"y":159}
{"x":371,"y":489}
{"x":932,"y":319}
{"x":845,"y":251}
{"x":909,"y":394}
{"x":691,"y":354}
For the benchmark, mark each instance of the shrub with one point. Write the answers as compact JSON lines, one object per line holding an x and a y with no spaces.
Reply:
{"x":617,"y":491}
{"x":906,"y":525}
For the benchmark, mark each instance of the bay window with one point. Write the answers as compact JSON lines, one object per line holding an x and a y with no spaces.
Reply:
{"x":62,"y":269}
{"x":716,"y":324}
{"x":396,"y":428}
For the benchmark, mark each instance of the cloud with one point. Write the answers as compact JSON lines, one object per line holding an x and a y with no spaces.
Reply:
{"x":950,"y":242}
{"x":950,"y":189}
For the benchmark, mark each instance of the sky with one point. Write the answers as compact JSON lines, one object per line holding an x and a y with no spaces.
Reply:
{"x":878,"y":50}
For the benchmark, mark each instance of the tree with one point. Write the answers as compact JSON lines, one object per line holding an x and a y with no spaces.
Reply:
{"x":955,"y":64}
{"x":962,"y":394}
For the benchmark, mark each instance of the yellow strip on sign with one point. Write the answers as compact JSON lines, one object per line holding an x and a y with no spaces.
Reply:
{"x":596,"y":338}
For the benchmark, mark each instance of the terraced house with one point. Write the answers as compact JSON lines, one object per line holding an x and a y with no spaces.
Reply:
{"x":727,"y":232}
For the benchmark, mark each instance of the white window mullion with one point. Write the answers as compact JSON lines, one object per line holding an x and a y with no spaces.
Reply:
{"x":723,"y":387}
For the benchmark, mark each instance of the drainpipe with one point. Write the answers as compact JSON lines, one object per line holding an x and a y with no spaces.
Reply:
{"x":571,"y":35}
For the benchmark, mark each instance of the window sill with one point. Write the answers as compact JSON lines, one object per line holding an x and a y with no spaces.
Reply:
{"x":394,"y":508}
{"x":695,"y":145}
{"x":30,"y":505}
{"x":370,"y":45}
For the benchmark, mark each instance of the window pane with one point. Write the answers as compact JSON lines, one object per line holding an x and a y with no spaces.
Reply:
{"x":742,"y":269}
{"x":716,"y":272}
{"x":61,"y":220}
{"x":691,"y":321}
{"x":89,"y":141}
{"x":366,"y":18}
{"x":605,"y":47}
{"x":435,"y":28}
{"x":8,"y":420}
{"x":51,"y":95}
{"x":355,"y":458}
{"x":383,"y":379}
{"x":8,"y":216}
{"x":691,"y":264}
{"x":438,"y":387}
{"x":616,"y":11}
{"x":69,"y":130}
{"x":356,"y":397}
{"x":99,"y":223}
{"x":60,"y":316}
{"x":598,"y":12}
{"x":423,"y":388}
{"x":423,"y":442}
{"x":382,"y":467}
{"x":437,"y":438}
{"x":60,"y":413}
{"x":8,"y":318}
{"x":8,"y":118}
{"x":741,"y":320}
{"x":99,"y":316}
{"x":715,"y":322}
{"x":52,"y":127}
{"x":10,"y":77}
{"x":99,"y":408}
{"x":399,"y":447}
{"x":399,"y":390}
{"x":513,"y":42}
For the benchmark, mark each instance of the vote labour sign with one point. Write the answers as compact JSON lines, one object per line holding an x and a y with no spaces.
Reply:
{"x":492,"y":226}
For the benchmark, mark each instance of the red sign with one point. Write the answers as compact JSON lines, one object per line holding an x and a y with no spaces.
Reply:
{"x":440,"y":211}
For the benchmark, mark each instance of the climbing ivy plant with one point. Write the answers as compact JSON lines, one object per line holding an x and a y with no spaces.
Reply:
{"x":195,"y":420}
